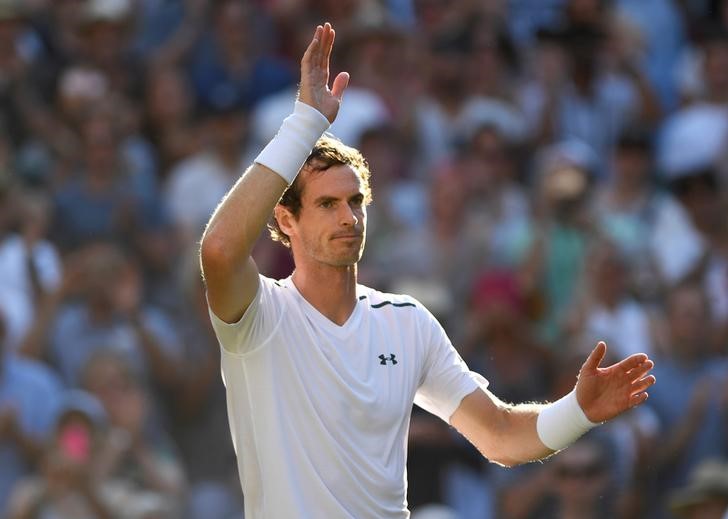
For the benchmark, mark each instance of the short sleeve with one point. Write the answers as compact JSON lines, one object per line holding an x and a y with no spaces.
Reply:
{"x":446,"y":379}
{"x":256,"y":325}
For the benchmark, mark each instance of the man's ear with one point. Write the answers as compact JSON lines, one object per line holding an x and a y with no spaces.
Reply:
{"x":285,"y":218}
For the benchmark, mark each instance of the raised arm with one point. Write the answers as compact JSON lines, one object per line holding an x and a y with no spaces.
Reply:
{"x":513,"y":434}
{"x":230,"y":273}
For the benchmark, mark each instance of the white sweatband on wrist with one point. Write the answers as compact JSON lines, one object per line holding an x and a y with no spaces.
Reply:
{"x":561,"y":423}
{"x":288,"y":150}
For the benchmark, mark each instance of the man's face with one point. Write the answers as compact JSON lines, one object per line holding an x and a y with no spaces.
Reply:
{"x":331,"y":224}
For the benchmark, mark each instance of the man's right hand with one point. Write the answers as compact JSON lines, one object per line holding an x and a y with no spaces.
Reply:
{"x":314,"y":90}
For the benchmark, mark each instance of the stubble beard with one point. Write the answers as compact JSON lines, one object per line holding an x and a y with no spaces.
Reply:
{"x":327,"y":255}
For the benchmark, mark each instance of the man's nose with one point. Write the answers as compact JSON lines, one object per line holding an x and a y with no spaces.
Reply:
{"x":348,"y":216}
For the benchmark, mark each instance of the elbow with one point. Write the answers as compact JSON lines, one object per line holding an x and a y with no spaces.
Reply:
{"x":214,"y":254}
{"x":498,"y":444}
{"x":492,"y":449}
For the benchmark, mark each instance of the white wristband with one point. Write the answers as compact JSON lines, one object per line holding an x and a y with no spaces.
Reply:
{"x":561,"y":423}
{"x":288,"y":150}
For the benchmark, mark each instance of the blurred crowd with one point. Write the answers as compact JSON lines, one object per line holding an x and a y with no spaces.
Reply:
{"x":546,"y":173}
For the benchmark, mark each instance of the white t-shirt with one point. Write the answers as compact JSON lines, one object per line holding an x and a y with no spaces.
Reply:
{"x":319,"y":413}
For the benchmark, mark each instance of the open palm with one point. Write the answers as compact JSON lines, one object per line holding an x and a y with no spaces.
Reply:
{"x":314,"y":89}
{"x":604,"y":393}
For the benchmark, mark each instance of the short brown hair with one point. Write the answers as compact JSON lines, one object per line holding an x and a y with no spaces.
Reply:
{"x":327,"y":152}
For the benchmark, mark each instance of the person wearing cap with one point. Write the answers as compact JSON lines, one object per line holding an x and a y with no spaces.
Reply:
{"x":321,"y":372}
{"x":705,"y":496}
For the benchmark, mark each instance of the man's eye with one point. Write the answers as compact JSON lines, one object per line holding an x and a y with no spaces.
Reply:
{"x":327,"y":204}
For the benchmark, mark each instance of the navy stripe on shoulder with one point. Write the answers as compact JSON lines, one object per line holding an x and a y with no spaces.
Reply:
{"x":362,"y":297}
{"x":399,"y":305}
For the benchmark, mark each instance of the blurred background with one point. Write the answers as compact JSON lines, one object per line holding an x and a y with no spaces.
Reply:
{"x":546,"y":173}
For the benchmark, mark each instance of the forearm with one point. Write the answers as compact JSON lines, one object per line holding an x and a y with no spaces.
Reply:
{"x":242,"y":215}
{"x":513,"y":434}
{"x":518,"y":440}
{"x":505,"y":434}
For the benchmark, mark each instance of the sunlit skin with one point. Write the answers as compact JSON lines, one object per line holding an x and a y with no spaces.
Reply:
{"x":327,"y":236}
{"x":330,"y":228}
{"x":327,"y":239}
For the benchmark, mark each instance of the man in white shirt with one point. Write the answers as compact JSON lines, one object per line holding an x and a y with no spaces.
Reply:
{"x":321,"y":372}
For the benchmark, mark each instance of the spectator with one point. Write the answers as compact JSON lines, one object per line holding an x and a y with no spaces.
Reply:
{"x":605,"y":308}
{"x":703,"y":75}
{"x":170,"y":123}
{"x":661,"y":34}
{"x":498,"y":209}
{"x":627,"y":205}
{"x":18,"y":95}
{"x":585,"y":482}
{"x":105,"y":29}
{"x":68,"y":486}
{"x":578,"y":485}
{"x":199,"y":412}
{"x":449,"y":113}
{"x":108,"y":311}
{"x":108,"y":199}
{"x":706,"y":494}
{"x":139,"y":452}
{"x":501,"y":341}
{"x":579,"y":97}
{"x":688,"y":407}
{"x":29,"y":403}
{"x":581,"y":143}
{"x":562,"y":231}
{"x":228,"y":64}
{"x":30,"y":265}
{"x":196,"y":185}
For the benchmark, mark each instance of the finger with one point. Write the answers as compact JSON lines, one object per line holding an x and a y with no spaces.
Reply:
{"x":329,"y":47}
{"x":326,"y":42}
{"x":340,"y":83}
{"x":632,"y":362}
{"x":641,"y":370}
{"x":595,"y":357}
{"x":637,"y":399}
{"x":313,"y":48}
{"x":643,"y":384}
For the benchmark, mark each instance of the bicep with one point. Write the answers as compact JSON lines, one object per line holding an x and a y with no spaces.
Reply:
{"x":230,"y":291}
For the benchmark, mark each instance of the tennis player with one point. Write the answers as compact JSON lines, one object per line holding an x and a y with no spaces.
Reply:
{"x":321,"y":372}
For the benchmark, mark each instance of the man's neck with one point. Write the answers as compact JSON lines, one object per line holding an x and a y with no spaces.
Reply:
{"x":330,"y":290}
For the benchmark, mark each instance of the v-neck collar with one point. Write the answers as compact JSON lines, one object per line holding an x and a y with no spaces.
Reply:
{"x":320,"y":319}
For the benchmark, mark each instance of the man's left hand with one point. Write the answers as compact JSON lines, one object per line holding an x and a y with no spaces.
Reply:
{"x":604,"y":393}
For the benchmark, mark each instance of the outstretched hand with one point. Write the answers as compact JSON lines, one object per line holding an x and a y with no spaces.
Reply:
{"x":604,"y":393}
{"x":314,"y":89}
